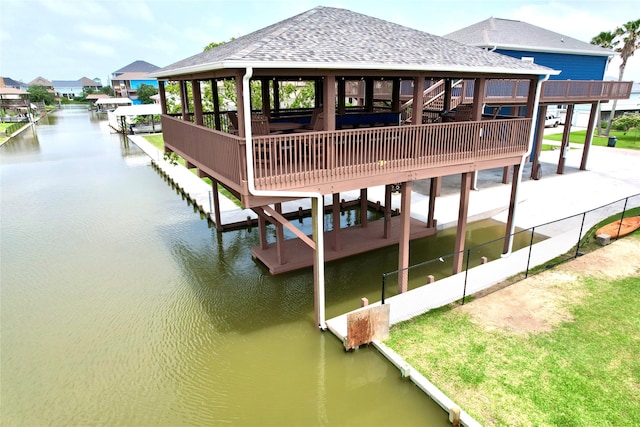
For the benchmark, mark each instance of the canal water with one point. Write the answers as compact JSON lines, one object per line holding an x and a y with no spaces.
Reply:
{"x":120,"y":306}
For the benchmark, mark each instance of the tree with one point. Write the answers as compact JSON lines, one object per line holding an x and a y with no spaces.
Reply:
{"x":145,"y":92}
{"x":629,"y":36}
{"x":107,"y":90}
{"x":40,"y":94}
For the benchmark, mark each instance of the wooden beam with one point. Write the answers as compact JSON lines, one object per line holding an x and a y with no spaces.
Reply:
{"x":564,"y":147}
{"x":163,"y":97}
{"x":197,"y":102}
{"x":512,"y":208}
{"x":433,"y":194}
{"x":535,"y":156}
{"x":216,"y":204}
{"x":395,"y":95}
{"x":418,"y":101}
{"x":336,"y":235}
{"x":240,"y":103}
{"x":266,"y":97}
{"x":364,"y":208}
{"x":588,"y":139}
{"x":216,"y":103}
{"x":280,"y":235}
{"x":282,"y":220}
{"x":184,"y":99}
{"x":387,"y":211}
{"x":458,"y":250}
{"x":479,"y":89}
{"x":447,"y":94}
{"x":405,"y":234}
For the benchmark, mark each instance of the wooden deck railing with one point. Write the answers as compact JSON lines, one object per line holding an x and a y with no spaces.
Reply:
{"x":293,"y":161}
{"x":553,"y":91}
{"x":219,"y":154}
{"x":315,"y":159}
{"x":562,"y":91}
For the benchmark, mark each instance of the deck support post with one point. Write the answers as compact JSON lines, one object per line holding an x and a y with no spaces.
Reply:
{"x":512,"y":209}
{"x":280,"y":236}
{"x":337,"y":234}
{"x":364,"y":207}
{"x":458,"y":250}
{"x":317,"y":214}
{"x":216,"y":204}
{"x":184,"y":99}
{"x":418,"y":100}
{"x":433,"y":192}
{"x":405,"y":237}
{"x":535,"y":156}
{"x":505,"y":174}
{"x":564,"y":148}
{"x":589,"y":136}
{"x":447,"y":95}
{"x":387,"y":211}
{"x":262,"y":231}
{"x":197,"y":102}
{"x":216,"y":103}
{"x":276,"y":94}
{"x":163,"y":96}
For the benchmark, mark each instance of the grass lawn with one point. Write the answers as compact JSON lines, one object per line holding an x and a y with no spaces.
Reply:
{"x":583,"y":371}
{"x":158,"y":142}
{"x":629,"y":139}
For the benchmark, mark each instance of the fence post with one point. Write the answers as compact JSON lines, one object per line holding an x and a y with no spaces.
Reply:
{"x":533,"y":232}
{"x":384,"y":279}
{"x":624,"y":209}
{"x":466,"y":274}
{"x":580,"y":235}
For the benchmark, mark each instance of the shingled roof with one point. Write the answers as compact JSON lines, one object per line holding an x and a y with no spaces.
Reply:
{"x":516,"y":35}
{"x":137,"y":67}
{"x":333,"y":38}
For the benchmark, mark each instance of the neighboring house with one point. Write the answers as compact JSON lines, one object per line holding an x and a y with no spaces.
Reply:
{"x":14,"y":105}
{"x":88,"y":84}
{"x":68,"y":88}
{"x":575,"y":59}
{"x":581,"y":65}
{"x":623,"y":106}
{"x":15,"y":84}
{"x":41,"y":81}
{"x":127,"y":80}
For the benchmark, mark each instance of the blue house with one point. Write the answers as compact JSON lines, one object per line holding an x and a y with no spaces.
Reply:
{"x":579,"y":63}
{"x":577,"y":60}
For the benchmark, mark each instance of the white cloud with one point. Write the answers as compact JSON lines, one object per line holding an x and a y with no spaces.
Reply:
{"x":111,"y":33}
{"x":97,"y":49}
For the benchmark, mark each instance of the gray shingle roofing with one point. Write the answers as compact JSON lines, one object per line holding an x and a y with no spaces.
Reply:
{"x":509,"y":34}
{"x":137,"y":67}
{"x":333,"y":38}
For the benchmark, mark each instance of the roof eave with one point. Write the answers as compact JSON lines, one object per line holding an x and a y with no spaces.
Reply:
{"x":346,"y":66}
{"x":543,"y":49}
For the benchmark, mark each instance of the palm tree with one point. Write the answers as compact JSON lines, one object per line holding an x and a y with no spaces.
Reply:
{"x":629,"y":34}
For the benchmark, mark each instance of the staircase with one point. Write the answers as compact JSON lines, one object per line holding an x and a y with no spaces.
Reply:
{"x":433,"y":101}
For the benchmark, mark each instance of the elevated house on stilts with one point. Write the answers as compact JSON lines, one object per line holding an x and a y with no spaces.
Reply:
{"x":419,"y":115}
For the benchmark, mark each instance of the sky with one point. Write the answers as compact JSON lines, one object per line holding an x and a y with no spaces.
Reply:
{"x":71,"y":39}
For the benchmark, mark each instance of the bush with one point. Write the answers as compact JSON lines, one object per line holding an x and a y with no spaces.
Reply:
{"x":626,"y":122}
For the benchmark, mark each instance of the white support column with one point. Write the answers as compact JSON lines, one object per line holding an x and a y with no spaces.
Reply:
{"x":317,"y":213}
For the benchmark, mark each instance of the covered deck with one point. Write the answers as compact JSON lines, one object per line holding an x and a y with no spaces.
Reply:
{"x":402,"y":106}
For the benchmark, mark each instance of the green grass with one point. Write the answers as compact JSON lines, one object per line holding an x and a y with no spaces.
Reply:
{"x":158,"y":142}
{"x":629,"y":139}
{"x":584,"y":372}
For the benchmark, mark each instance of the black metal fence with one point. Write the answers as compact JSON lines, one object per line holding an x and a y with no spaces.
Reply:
{"x":535,"y":249}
